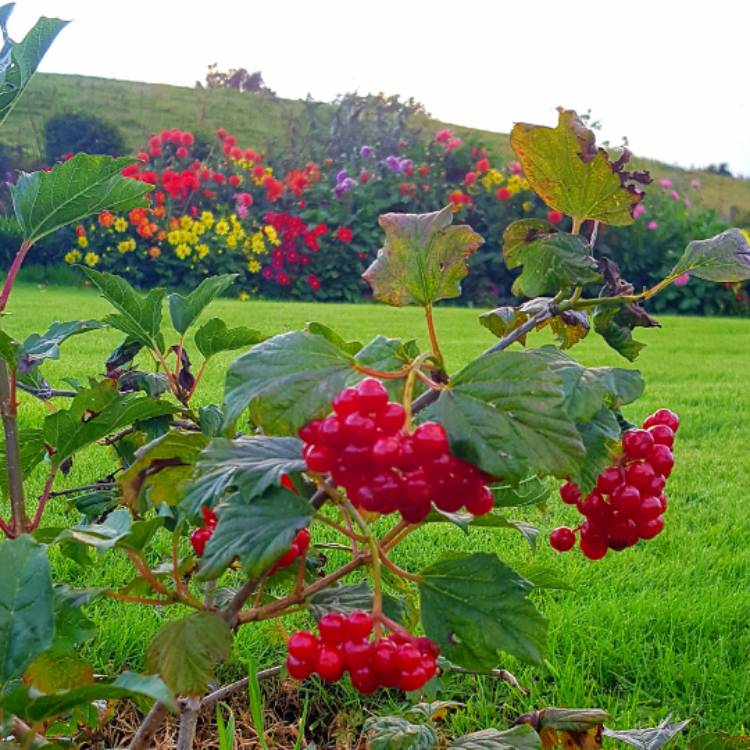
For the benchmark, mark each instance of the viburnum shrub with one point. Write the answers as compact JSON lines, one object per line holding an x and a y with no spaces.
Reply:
{"x":224,"y":512}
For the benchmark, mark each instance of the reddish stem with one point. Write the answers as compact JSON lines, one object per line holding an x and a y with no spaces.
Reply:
{"x":6,"y":529}
{"x":381,"y":374}
{"x":15,"y":267}
{"x":44,"y":498}
{"x":433,"y":334}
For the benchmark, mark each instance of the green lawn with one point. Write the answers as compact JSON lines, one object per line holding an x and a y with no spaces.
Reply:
{"x":660,"y":627}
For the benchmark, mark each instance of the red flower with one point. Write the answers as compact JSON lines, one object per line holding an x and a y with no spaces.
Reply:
{"x":503,"y":194}
{"x":217,"y":177}
{"x":284,"y":279}
{"x":234,"y":180}
{"x":130,"y":171}
{"x":258,"y":172}
{"x":244,"y":199}
{"x":364,"y":176}
{"x":555,"y":217}
{"x":344,"y":234}
{"x":470,"y":178}
{"x":155,"y":151}
{"x":80,"y":231}
{"x":423,"y":170}
{"x":274,"y":188}
{"x":482,"y":165}
{"x":142,"y":156}
{"x":230,"y":140}
{"x":516,"y":167}
{"x":408,"y":188}
{"x":236,"y":153}
{"x":320,"y":229}
{"x":267,"y":272}
{"x":181,"y":152}
{"x":458,"y":199}
{"x":221,"y":133}
{"x":362,"y":255}
{"x":250,"y":155}
{"x":154,"y":141}
{"x":313,"y":281}
{"x":187,"y":139}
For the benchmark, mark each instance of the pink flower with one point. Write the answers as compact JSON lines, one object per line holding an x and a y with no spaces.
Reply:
{"x":652,"y":225}
{"x":682,"y":280}
{"x":675,"y":195}
{"x":515,"y":167}
{"x":242,"y":211}
{"x":695,"y":183}
{"x":443,"y":135}
{"x":666,"y":183}
{"x":639,"y":210}
{"x":687,"y":203}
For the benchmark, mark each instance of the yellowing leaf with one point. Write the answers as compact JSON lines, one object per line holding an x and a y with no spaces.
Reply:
{"x":566,"y":169}
{"x":424,"y":258}
{"x":51,"y":672}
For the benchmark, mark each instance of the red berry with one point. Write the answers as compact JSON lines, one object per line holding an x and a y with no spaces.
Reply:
{"x":303,"y":645}
{"x":430,"y":440}
{"x":364,"y":680}
{"x":626,"y":499}
{"x":429,"y":666}
{"x":383,"y":659}
{"x":330,"y":433}
{"x":661,"y":459}
{"x":640,"y":475}
{"x":332,"y":627}
{"x":346,"y":402}
{"x":662,"y":434}
{"x":650,"y":508}
{"x":329,"y":664}
{"x":408,"y":657}
{"x":570,"y":493}
{"x":562,"y":539}
{"x":481,"y":503}
{"x":415,"y":513}
{"x":198,"y":539}
{"x":372,"y":396}
{"x":209,"y":517}
{"x":359,"y":429}
{"x":663,"y":502}
{"x":298,"y":669}
{"x":623,"y":533}
{"x":386,"y":451}
{"x":663,"y":416}
{"x":594,"y":507}
{"x":356,"y":653}
{"x":427,"y":647}
{"x":609,"y":480}
{"x":309,"y":432}
{"x":412,"y":680}
{"x":302,"y":540}
{"x":446,"y":495}
{"x":637,"y":443}
{"x":287,"y":558}
{"x":391,"y":419}
{"x":651,"y":528}
{"x":356,"y":456}
{"x":593,"y":549}
{"x":409,"y":459}
{"x":657,"y":485}
{"x":359,"y":624}
{"x":318,"y":458}
{"x":418,"y":488}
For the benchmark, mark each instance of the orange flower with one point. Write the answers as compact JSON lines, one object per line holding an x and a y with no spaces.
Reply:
{"x":159,"y":211}
{"x":154,"y":251}
{"x":106,"y":219}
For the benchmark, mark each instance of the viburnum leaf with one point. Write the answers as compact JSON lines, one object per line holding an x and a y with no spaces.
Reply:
{"x":506,"y":414}
{"x":95,"y":413}
{"x":286,"y":381}
{"x":531,"y":490}
{"x":648,"y":739}
{"x":257,"y":532}
{"x":46,"y":201}
{"x":248,"y":465}
{"x":184,"y":652}
{"x":348,"y":598}
{"x":522,"y":737}
{"x":551,"y":260}
{"x":27,"y":617}
{"x":397,"y":733}
{"x":475,"y":607}
{"x":567,"y":719}
{"x":185,"y":309}
{"x":19,"y":60}
{"x":600,"y":434}
{"x":39,"y":708}
{"x":139,"y":314}
{"x":570,"y":174}
{"x":725,"y":257}
{"x":39,"y":347}
{"x":214,"y":337}
{"x":161,"y":470}
{"x":390,"y":355}
{"x":51,"y":672}
{"x":424,"y":258}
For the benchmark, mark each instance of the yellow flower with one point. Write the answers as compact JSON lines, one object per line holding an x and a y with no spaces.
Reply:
{"x":207,"y":218}
{"x":527,"y":206}
{"x":199,"y":228}
{"x":244,"y":296}
{"x":221,"y":228}
{"x":73,"y":256}
{"x":182,"y":251}
{"x":185,"y":222}
{"x":91,"y":259}
{"x":273,"y":238}
{"x":202,"y":250}
{"x":232,"y":241}
{"x":120,"y":224}
{"x":257,"y":245}
{"x":746,"y":234}
{"x":83,"y":241}
{"x":253,"y":266}
{"x":173,"y":238}
{"x":126,"y":245}
{"x":491,"y":178}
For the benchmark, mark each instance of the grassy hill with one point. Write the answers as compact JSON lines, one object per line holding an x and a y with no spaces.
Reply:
{"x":140,"y":109}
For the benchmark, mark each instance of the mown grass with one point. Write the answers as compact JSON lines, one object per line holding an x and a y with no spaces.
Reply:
{"x":141,"y":109}
{"x":661,"y":627}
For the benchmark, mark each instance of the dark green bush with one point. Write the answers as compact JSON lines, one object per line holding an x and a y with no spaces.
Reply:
{"x":71,"y":132}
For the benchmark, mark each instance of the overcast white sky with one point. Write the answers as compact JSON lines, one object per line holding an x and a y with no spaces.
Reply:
{"x":670,"y":75}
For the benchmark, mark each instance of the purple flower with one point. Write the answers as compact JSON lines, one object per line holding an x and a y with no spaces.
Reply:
{"x":652,"y":225}
{"x":393,"y":163}
{"x":687,"y":203}
{"x":695,"y":183}
{"x":344,"y":186}
{"x":366,"y":152}
{"x":682,"y":280}
{"x":639,"y":210}
{"x":675,"y":195}
{"x":340,"y":176}
{"x":405,"y":164}
{"x":666,"y":183}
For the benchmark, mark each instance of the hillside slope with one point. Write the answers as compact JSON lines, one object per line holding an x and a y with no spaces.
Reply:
{"x":140,"y":109}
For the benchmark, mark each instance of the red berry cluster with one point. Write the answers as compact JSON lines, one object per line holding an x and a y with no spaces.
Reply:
{"x":299,"y":548}
{"x":399,"y":660}
{"x":200,"y":536}
{"x":628,"y":501}
{"x":382,"y":467}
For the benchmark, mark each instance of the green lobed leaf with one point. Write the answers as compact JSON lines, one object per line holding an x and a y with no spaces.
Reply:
{"x":27,"y":617}
{"x":522,"y":737}
{"x":532,"y":490}
{"x":8,"y":348}
{"x":648,"y":739}
{"x":424,"y":258}
{"x":567,"y":719}
{"x":46,"y":201}
{"x":39,"y":347}
{"x":465,"y":521}
{"x":249,"y":465}
{"x":105,"y":535}
{"x":600,"y":435}
{"x":214,"y":337}
{"x":210,"y":419}
{"x":396,"y":733}
{"x":475,"y":607}
{"x":184,"y":309}
{"x":257,"y":533}
{"x":21,"y":59}
{"x":95,"y":413}
{"x":185,"y":652}
{"x":139,"y":314}
{"x":286,"y":381}
{"x":725,"y":257}
{"x":567,"y":171}
{"x":609,"y":324}
{"x":319,"y":329}
{"x":128,"y":685}
{"x":551,"y":261}
{"x":348,"y":598}
{"x":161,"y":469}
{"x":51,"y":672}
{"x":506,"y":414}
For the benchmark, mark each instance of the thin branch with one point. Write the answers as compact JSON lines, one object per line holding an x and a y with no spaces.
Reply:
{"x":188,"y":723}
{"x":227,"y":690}
{"x":84,"y":488}
{"x":13,"y":464}
{"x":548,"y":311}
{"x":45,"y":394}
{"x":44,"y":498}
{"x":238,"y":601}
{"x":500,"y":674}
{"x":144,"y":737}
{"x":10,"y":279}
{"x":6,"y":529}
